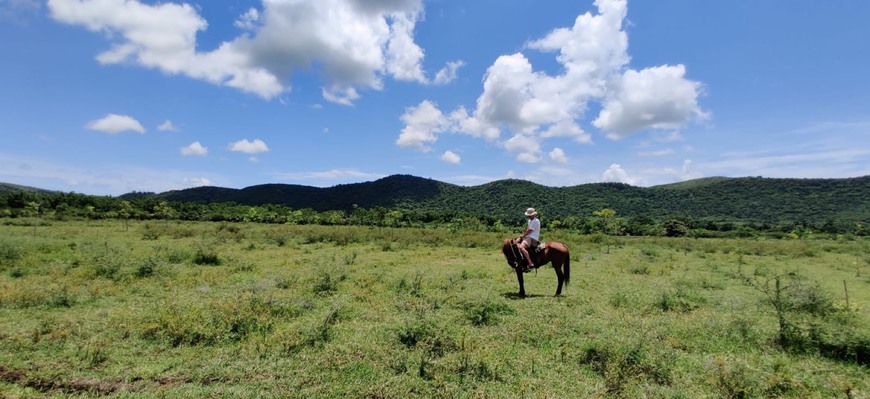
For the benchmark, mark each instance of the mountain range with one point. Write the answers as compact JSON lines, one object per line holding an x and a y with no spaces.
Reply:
{"x":754,"y":199}
{"x":757,"y":199}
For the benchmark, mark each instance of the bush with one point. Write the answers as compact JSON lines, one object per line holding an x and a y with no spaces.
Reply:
{"x":486,"y":312}
{"x":620,"y":364}
{"x":679,"y":300}
{"x":9,"y":253}
{"x":205,"y":257}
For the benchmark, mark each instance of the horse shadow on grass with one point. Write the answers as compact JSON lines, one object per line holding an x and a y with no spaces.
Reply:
{"x":516,"y":296}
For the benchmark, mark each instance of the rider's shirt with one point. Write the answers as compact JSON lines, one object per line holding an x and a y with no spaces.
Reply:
{"x":535,"y":226}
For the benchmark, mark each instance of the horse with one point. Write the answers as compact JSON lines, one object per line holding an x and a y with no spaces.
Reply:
{"x":553,"y":251}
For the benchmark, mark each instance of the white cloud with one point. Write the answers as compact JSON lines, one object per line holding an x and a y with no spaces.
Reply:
{"x":102,"y":179}
{"x":808,"y":164}
{"x":422,"y":123}
{"x":403,"y":56}
{"x":339,"y":94}
{"x":659,"y":153}
{"x":659,"y":98}
{"x":249,"y":147}
{"x":448,"y":73}
{"x":114,"y":124}
{"x":567,"y":128}
{"x":197,"y":182}
{"x":616,"y":174}
{"x":558,"y":155}
{"x":194,"y":148}
{"x":249,"y":20}
{"x":167,"y":126}
{"x":451,"y":157}
{"x":334,"y":176}
{"x":534,"y":106}
{"x":352,"y":44}
{"x":526,"y":148}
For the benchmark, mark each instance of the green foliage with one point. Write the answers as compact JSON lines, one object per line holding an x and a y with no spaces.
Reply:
{"x":679,"y":300}
{"x":10,"y":252}
{"x":486,"y":311}
{"x":713,"y":207}
{"x":330,"y":314}
{"x":621,"y":364}
{"x":207,"y":257}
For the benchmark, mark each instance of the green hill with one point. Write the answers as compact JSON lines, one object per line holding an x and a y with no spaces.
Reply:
{"x":755,"y":199}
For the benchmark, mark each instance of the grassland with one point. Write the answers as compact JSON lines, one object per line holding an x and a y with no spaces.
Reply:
{"x":170,"y":309}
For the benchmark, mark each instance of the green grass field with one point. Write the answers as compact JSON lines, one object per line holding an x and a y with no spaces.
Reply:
{"x":172,"y":310}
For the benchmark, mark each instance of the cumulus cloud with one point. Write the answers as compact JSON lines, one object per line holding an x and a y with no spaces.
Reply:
{"x":616,"y":174}
{"x":194,"y":148}
{"x":659,"y":153}
{"x":530,"y":106}
{"x":332,"y":175}
{"x":558,"y":155}
{"x":167,"y":126}
{"x":249,"y":147}
{"x":448,"y":73}
{"x":451,"y":157}
{"x":351,"y":44}
{"x":249,"y":20}
{"x":114,"y":124}
{"x":197,"y":182}
{"x":659,"y":98}
{"x":422,"y":123}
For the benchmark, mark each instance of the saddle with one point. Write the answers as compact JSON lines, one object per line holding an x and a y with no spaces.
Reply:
{"x":535,"y":254}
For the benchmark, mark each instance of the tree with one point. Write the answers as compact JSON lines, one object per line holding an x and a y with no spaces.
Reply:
{"x":606,"y":215}
{"x":676,"y":228}
{"x":125,"y":210}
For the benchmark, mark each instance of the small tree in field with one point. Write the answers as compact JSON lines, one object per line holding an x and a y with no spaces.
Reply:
{"x":606,"y":215}
{"x":33,"y":208}
{"x":125,"y":211}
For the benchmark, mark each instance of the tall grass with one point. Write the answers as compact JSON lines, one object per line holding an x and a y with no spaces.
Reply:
{"x":246,"y":310}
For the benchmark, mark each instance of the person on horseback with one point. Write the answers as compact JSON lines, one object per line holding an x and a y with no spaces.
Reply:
{"x":529,"y":238}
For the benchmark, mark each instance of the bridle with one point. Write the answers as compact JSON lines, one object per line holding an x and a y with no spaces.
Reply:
{"x":515,"y":251}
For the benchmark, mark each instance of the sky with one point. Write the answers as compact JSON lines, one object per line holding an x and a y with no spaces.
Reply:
{"x":106,"y":97}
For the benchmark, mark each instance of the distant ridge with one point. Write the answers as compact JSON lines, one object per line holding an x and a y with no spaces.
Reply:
{"x":9,"y":187}
{"x":695,"y":183}
{"x":723,"y":198}
{"x":747,"y":199}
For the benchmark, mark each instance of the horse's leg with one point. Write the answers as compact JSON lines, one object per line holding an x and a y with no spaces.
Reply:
{"x":557,"y":266}
{"x":520,"y":280}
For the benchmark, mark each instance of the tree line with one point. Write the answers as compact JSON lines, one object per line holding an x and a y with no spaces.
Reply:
{"x":608,"y":221}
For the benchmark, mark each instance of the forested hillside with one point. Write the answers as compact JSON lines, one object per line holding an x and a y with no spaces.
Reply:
{"x":761,"y":200}
{"x":711,"y":204}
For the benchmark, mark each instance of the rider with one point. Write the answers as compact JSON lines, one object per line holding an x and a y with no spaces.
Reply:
{"x":530,"y":237}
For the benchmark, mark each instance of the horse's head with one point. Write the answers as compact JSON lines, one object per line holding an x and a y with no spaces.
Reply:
{"x":511,"y":253}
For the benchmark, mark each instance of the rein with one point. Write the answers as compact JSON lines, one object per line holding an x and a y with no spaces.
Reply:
{"x":516,"y":252}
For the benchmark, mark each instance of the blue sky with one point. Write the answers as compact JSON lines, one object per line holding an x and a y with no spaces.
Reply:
{"x":106,"y":97}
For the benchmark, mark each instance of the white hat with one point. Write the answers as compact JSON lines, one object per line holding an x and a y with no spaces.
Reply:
{"x":531,"y":212}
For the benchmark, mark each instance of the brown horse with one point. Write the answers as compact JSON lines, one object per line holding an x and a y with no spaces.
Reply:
{"x":555,"y":252}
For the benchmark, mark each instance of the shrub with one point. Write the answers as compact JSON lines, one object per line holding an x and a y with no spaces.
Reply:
{"x":231,"y":320}
{"x":9,"y":253}
{"x":326,"y":281}
{"x":679,"y":300}
{"x":205,"y":257}
{"x":486,"y":312}
{"x":620,"y":364}
{"x":146,"y":268}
